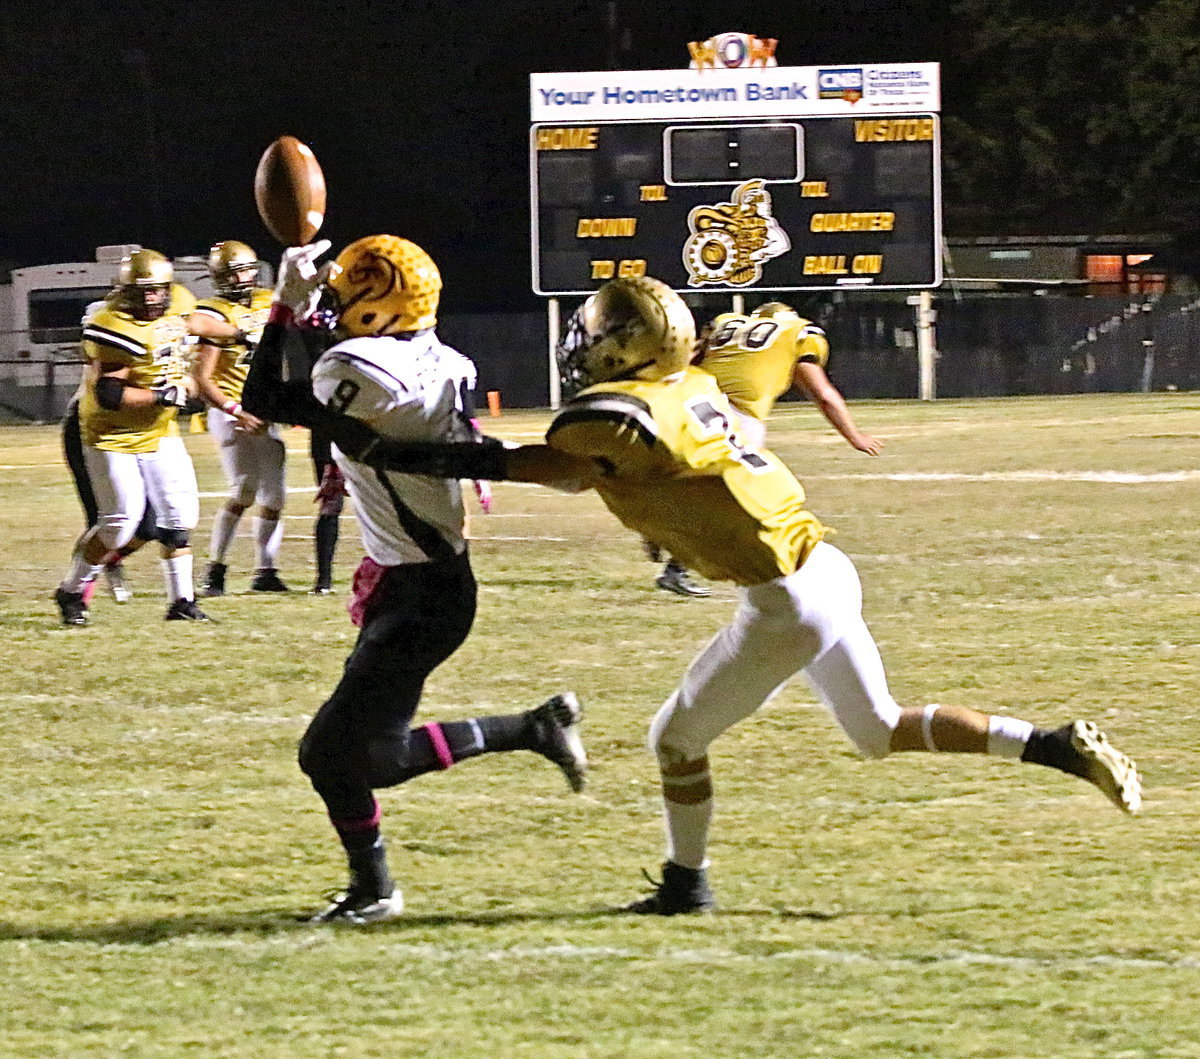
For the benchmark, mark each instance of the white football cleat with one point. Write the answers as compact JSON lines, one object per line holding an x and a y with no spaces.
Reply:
{"x":1105,"y":766}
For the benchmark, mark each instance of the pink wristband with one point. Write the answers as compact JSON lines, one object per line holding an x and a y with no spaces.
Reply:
{"x":231,"y":408}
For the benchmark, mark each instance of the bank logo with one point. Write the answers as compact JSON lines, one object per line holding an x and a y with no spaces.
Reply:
{"x":845,"y":82}
{"x":729,"y":241}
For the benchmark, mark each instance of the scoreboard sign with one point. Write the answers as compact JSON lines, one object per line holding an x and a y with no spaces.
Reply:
{"x":771,"y":179}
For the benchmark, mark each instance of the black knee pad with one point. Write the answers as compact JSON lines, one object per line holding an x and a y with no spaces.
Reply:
{"x":175,"y":539}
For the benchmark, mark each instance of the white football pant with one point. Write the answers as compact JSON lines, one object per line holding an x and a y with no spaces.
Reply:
{"x":253,"y":463}
{"x":122,"y":481}
{"x":810,"y":620}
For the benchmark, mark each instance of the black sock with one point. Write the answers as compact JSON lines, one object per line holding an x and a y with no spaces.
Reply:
{"x":1052,"y":748}
{"x":369,"y":871}
{"x":510,"y":732}
{"x":326,"y":543}
{"x":446,"y":741}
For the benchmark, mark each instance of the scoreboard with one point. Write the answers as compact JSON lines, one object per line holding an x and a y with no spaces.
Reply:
{"x":785,"y":179}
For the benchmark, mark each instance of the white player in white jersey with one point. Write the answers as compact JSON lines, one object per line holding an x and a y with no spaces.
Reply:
{"x":414,"y":594}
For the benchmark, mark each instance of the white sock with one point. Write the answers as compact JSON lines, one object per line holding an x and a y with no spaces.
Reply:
{"x":80,"y":574}
{"x":687,"y":832}
{"x":224,"y":529}
{"x":1007,"y":736}
{"x":268,"y":535}
{"x":177,"y":573}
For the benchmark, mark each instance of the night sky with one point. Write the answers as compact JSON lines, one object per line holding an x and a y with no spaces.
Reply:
{"x":143,"y":123}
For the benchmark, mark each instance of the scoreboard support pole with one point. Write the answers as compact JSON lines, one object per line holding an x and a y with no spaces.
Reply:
{"x":926,"y":344}
{"x":552,"y":333}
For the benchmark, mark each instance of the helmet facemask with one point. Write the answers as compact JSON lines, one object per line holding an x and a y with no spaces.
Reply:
{"x":144,"y":282}
{"x":234,"y":268}
{"x":629,"y":329}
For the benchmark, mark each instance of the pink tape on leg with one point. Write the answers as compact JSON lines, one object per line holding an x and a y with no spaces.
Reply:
{"x":440,"y":747}
{"x":364,"y":823}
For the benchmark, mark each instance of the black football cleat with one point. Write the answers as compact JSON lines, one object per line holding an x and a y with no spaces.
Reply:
{"x":556,"y":737}
{"x":185,"y":610}
{"x":682,"y":891}
{"x":214,"y":581}
{"x":71,"y":606}
{"x":360,"y":907}
{"x":675,"y":579}
{"x":267,"y":580}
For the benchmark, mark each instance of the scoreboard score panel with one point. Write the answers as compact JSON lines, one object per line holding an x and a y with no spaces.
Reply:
{"x":778,"y":204}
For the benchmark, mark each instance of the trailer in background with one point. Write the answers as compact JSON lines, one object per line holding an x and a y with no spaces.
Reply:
{"x":41,"y":314}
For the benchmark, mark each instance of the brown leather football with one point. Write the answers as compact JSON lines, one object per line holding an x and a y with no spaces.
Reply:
{"x":289,"y":189}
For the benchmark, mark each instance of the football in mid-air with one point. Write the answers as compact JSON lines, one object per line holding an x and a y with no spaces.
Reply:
{"x":289,"y":189}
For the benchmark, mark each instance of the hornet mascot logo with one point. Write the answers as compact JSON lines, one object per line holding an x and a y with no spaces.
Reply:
{"x":731,"y":240}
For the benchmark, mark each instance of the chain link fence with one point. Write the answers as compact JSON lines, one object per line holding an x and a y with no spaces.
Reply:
{"x":989,"y":345}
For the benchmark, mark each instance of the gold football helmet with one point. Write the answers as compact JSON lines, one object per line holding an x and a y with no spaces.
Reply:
{"x":384,"y":285}
{"x":776,"y":311}
{"x":629,"y":329}
{"x":144,"y":284}
{"x":234,"y":269}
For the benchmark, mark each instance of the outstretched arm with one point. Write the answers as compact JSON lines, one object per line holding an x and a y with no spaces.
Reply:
{"x":270,"y":395}
{"x":811,"y":378}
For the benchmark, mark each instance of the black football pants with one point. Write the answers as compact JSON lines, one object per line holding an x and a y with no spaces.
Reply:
{"x":360,"y":740}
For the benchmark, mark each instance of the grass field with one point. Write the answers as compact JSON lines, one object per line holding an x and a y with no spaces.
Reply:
{"x":1037,"y":556}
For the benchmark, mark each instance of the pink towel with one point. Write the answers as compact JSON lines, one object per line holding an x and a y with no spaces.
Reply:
{"x":366,"y":580}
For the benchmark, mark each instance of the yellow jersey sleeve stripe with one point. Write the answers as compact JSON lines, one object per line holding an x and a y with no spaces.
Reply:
{"x":102,"y":336}
{"x":620,"y":409}
{"x":214,"y":312}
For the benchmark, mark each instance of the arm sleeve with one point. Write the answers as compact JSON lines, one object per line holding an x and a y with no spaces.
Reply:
{"x":270,"y":394}
{"x":618,"y":431}
{"x":279,"y":385}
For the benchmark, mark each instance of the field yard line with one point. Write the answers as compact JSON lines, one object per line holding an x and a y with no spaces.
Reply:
{"x":1106,"y":477}
{"x":431,"y":952}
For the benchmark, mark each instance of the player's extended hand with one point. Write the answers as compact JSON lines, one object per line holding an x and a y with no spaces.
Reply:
{"x":248,"y":423}
{"x":865,"y":443}
{"x":298,"y":274}
{"x":483,"y":490}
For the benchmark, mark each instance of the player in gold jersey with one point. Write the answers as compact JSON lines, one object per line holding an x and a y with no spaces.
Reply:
{"x":663,"y":448}
{"x":756,"y":359}
{"x":228,"y":328}
{"x":136,"y":383}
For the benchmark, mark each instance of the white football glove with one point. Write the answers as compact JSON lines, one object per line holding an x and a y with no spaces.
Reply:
{"x":298,"y":274}
{"x":173,"y":395}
